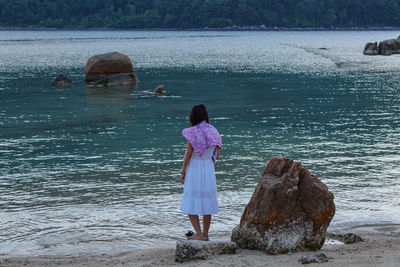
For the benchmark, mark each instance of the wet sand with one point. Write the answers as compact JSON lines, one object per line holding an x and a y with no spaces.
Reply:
{"x":380,"y":248}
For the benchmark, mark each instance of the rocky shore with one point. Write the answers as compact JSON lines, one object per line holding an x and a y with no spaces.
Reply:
{"x":380,"y":248}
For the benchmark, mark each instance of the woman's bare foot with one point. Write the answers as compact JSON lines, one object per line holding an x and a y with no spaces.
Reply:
{"x":196,"y":237}
{"x":205,"y":236}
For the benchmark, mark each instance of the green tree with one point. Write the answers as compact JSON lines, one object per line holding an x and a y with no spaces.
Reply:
{"x":198,"y":13}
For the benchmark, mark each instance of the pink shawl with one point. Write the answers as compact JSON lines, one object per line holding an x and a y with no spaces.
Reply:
{"x":202,"y":136}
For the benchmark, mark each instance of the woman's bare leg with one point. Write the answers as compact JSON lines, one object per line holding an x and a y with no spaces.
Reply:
{"x":206,"y":225}
{"x":194,"y":219}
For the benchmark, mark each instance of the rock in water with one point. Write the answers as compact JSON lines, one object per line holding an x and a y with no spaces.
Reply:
{"x":110,"y":69}
{"x":388,"y":47}
{"x":194,"y":249}
{"x":290,"y":210}
{"x":371,"y":49}
{"x":159,"y":90}
{"x":62,"y":81}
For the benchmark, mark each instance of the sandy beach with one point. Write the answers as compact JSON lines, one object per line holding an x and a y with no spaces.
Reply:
{"x":380,"y":248}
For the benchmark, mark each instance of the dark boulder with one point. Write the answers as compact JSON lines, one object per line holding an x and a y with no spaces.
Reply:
{"x":371,"y":49}
{"x":290,"y":210}
{"x":62,"y":81}
{"x":388,"y":47}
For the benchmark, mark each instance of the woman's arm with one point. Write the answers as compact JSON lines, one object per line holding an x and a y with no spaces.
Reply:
{"x":217,"y":153}
{"x":188,"y":155}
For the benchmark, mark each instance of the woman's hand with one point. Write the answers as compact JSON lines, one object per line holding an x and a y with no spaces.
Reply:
{"x":182,"y":178}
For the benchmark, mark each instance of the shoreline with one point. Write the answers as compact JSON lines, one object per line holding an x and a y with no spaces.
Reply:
{"x":227,"y":29}
{"x":380,"y":248}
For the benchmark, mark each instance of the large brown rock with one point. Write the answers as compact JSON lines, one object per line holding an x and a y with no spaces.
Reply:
{"x":371,"y":49}
{"x":101,"y":69}
{"x":290,"y":210}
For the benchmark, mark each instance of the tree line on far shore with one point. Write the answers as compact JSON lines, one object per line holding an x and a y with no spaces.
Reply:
{"x":199,"y":13}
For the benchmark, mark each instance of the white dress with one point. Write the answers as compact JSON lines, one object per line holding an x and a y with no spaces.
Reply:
{"x":200,"y":187}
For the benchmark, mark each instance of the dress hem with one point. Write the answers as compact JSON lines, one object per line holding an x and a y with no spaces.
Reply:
{"x":212,"y":213}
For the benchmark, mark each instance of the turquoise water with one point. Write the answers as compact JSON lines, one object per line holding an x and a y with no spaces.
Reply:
{"x":89,"y":171}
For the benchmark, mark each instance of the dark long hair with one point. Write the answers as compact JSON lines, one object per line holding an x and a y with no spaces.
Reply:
{"x":198,"y":114}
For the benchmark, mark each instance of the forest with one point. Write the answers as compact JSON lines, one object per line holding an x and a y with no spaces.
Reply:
{"x":181,"y":14}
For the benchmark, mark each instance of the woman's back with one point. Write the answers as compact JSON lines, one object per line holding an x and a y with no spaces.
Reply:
{"x":200,"y":190}
{"x":207,"y":155}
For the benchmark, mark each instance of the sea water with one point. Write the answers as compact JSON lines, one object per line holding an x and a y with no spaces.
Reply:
{"x":96,"y":170}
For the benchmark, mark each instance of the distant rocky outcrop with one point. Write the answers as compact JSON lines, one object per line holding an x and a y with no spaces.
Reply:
{"x":187,"y":250}
{"x":386,"y":47}
{"x":62,"y":81}
{"x":290,"y":210}
{"x":109,"y":69}
{"x":371,"y":49}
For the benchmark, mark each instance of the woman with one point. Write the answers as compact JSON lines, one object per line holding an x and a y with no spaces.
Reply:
{"x":198,"y":174}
